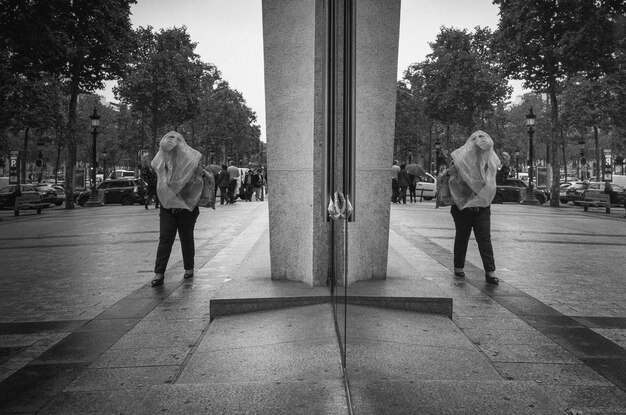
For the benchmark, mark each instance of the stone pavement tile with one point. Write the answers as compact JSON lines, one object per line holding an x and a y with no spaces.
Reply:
{"x":540,"y":353}
{"x":613,"y":369}
{"x":307,"y":397}
{"x":377,"y":360}
{"x":122,"y":378}
{"x":495,"y":336}
{"x":401,"y":326}
{"x":560,"y":374}
{"x":96,"y":402}
{"x":436,"y":397}
{"x":28,"y":389}
{"x":266,"y":328}
{"x":589,"y":399}
{"x":80,"y":347}
{"x":317,"y":359}
{"x":617,"y":336}
{"x":584,"y":342}
{"x":489,"y":321}
{"x":142,"y":357}
{"x":160,"y":326}
{"x":165,"y":339}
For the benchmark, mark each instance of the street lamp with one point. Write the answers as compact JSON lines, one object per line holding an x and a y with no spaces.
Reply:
{"x":583,"y":160}
{"x":516,"y":154}
{"x":104,"y":167}
{"x":530,"y":191}
{"x":95,"y":122}
{"x":437,"y":146}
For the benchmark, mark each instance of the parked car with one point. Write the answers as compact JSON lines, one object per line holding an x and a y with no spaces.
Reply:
{"x":49,"y":194}
{"x":574,"y":192}
{"x":599,"y":188}
{"x":9,"y":193}
{"x":122,"y":174}
{"x":515,"y":190}
{"x":124,"y":191}
{"x":426,"y":184}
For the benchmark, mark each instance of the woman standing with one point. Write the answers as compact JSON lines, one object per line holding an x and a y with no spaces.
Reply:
{"x":473,"y":187}
{"x":179,"y":188}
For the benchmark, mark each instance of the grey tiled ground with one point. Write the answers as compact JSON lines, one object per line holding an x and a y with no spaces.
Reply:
{"x":165,"y":356}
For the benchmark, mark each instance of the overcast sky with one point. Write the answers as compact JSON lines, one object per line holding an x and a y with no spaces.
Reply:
{"x":229,"y":34}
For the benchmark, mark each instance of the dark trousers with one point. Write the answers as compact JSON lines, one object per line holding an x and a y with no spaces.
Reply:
{"x":478,"y":220}
{"x":232,"y":185}
{"x":402,"y":196}
{"x":395,"y":190}
{"x":412,"y":194}
{"x":224,"y":195}
{"x":152,"y":193}
{"x":170,"y":222}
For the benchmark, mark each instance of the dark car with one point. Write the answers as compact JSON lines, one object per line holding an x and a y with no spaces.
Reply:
{"x":9,"y":193}
{"x":514,"y":190}
{"x":124,"y":191}
{"x":49,"y":194}
{"x":574,"y":192}
{"x":598,"y":187}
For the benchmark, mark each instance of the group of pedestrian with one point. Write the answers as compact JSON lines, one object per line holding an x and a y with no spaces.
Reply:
{"x":252,"y":183}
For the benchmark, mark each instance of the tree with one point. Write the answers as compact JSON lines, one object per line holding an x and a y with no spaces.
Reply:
{"x":543,"y":41}
{"x":164,"y":79}
{"x":82,"y":43}
{"x":462,"y":80}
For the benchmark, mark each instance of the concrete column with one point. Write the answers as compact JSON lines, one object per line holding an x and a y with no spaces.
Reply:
{"x":293,"y":34}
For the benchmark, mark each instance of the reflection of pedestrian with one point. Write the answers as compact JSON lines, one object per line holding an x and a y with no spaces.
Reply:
{"x":473,"y":186}
{"x":149,"y":176}
{"x":179,"y":189}
{"x":233,"y":173}
{"x":403,"y":183}
{"x":395,"y":191}
{"x":412,"y":185}
{"x":223,"y":179}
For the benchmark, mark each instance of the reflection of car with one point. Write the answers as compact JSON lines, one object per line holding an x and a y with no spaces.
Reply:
{"x":124,"y":191}
{"x":121,"y":174}
{"x":426,"y":186}
{"x":9,"y":193}
{"x":574,"y":192}
{"x":514,"y":190}
{"x":598,"y":187}
{"x":48,"y":193}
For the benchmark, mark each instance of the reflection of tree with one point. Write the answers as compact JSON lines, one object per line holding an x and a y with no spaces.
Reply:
{"x":543,"y":42}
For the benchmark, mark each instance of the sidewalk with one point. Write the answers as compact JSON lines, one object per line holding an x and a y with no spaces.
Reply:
{"x":82,"y":332}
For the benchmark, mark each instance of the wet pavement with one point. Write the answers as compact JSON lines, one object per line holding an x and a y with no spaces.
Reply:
{"x":81,"y":331}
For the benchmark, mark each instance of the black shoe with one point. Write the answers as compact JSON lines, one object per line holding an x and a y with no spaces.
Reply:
{"x":459,"y":274}
{"x":491,"y":280}
{"x":187,"y":276}
{"x":157,"y":281}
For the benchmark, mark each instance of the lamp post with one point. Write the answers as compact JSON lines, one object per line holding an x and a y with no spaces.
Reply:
{"x":516,"y":154}
{"x":410,"y":157}
{"x":437,"y":146}
{"x":583,"y":160}
{"x":93,"y":197}
{"x":104,"y":165}
{"x":39,"y":161}
{"x":530,"y":191}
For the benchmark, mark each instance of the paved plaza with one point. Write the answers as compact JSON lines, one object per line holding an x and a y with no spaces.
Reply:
{"x":81,"y":330}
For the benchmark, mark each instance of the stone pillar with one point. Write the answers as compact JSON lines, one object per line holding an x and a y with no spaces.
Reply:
{"x":294,"y":51}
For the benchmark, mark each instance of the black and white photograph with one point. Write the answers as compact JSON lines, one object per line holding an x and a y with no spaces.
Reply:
{"x":324,"y":207}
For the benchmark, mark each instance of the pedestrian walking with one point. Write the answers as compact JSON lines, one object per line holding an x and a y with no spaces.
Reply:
{"x":395,"y":191}
{"x":149,"y":176}
{"x":233,"y":173}
{"x":412,"y":186}
{"x":472,"y":183}
{"x":223,"y":179}
{"x":258,"y":182}
{"x":403,"y":183}
{"x":179,"y":188}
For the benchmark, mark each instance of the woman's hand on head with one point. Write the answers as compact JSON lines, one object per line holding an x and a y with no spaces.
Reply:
{"x":198,"y":172}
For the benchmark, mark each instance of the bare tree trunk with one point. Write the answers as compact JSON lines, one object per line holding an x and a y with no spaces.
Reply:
{"x":556,"y":169}
{"x":595,"y":140}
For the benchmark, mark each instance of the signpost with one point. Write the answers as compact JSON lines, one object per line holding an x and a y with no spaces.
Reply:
{"x":14,"y":167}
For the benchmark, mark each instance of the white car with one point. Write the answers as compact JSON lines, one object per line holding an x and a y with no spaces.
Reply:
{"x":426,"y":186}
